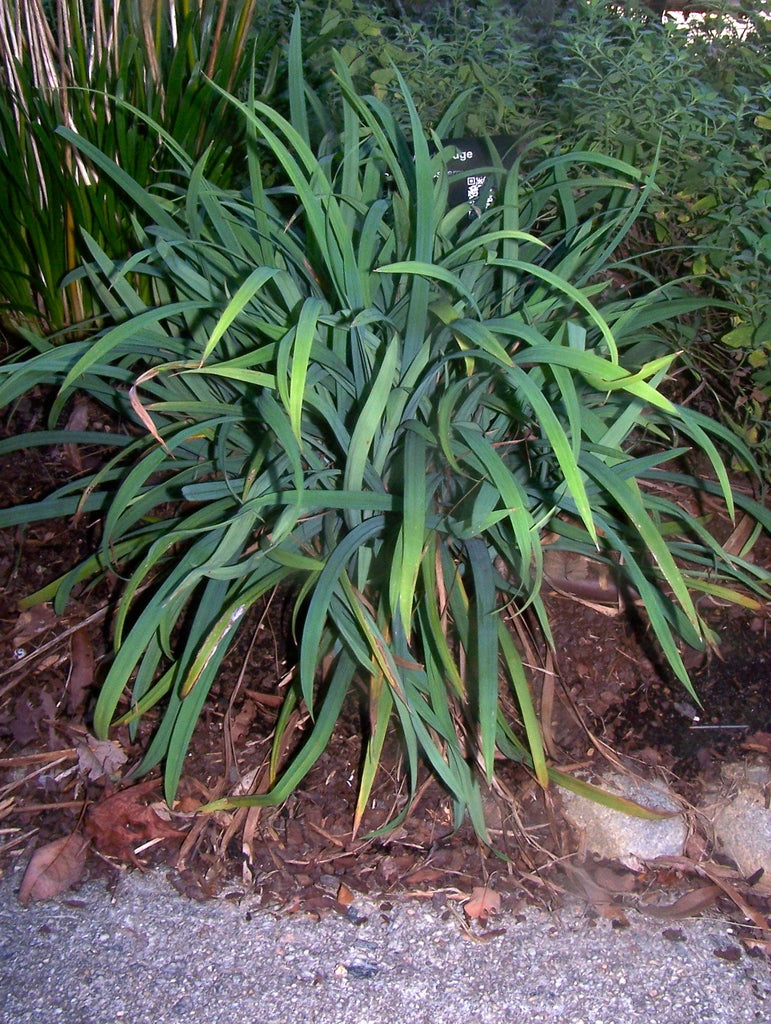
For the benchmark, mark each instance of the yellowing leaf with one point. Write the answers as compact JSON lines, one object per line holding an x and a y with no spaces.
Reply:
{"x":700,"y":265}
{"x":739,"y":337}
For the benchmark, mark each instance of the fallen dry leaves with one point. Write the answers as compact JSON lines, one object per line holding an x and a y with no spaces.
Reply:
{"x":31,"y":623}
{"x":728,"y":881}
{"x":692,"y":903}
{"x":81,"y":678}
{"x":99,"y":758}
{"x":708,"y":885}
{"x":122,"y":824}
{"x":483,"y":903}
{"x":345,"y":896}
{"x":601,"y":898}
{"x":53,"y":868}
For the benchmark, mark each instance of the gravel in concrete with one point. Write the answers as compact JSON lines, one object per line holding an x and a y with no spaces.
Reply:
{"x":146,"y":954}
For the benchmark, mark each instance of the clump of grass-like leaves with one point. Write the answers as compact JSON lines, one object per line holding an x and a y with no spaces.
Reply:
{"x":65,"y":63}
{"x":345,"y":387}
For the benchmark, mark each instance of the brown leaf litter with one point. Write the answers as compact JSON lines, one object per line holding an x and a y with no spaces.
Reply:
{"x":123,"y":826}
{"x":54,"y":868}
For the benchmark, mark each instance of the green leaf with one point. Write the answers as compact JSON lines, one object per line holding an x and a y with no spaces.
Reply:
{"x":253,"y":283}
{"x":486,"y":650}
{"x":412,"y":534}
{"x":434,"y":272}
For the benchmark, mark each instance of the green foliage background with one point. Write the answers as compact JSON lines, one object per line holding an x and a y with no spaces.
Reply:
{"x":620,"y":81}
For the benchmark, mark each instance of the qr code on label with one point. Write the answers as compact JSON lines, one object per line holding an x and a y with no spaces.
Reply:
{"x":474,"y":185}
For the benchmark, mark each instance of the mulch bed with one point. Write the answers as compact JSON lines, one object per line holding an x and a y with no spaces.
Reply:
{"x":609,"y":695}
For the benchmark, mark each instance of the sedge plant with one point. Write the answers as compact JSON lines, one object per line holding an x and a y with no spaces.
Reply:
{"x":345,"y":388}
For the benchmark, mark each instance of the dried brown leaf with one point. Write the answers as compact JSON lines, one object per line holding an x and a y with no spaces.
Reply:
{"x":615,"y":881}
{"x":599,"y":897}
{"x":482,"y":904}
{"x":81,"y":678}
{"x":243,"y":723}
{"x":741,"y":534}
{"x":344,"y":895}
{"x":692,"y":903}
{"x":733,"y":893}
{"x":26,"y":721}
{"x":54,"y":868}
{"x":140,"y":410}
{"x":32,"y":622}
{"x":121,"y":823}
{"x":728,"y":879}
{"x":78,"y":420}
{"x":98,"y":758}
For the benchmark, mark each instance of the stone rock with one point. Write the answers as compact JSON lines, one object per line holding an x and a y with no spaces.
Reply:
{"x":742,"y":819}
{"x":624,"y":837}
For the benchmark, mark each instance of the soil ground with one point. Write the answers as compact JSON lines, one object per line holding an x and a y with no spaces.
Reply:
{"x":607,"y":694}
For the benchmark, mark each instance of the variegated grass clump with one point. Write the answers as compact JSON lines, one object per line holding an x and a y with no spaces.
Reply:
{"x":343,"y":387}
